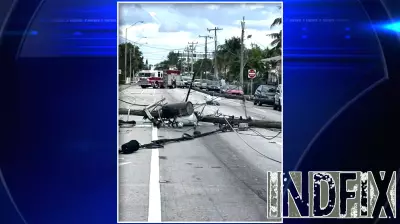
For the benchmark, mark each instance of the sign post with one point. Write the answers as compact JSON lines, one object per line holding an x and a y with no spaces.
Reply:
{"x":251,"y":75}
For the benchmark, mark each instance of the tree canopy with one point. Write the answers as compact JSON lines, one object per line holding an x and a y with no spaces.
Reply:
{"x":134,"y":59}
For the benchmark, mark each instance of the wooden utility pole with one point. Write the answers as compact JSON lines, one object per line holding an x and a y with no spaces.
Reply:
{"x":192,"y":47}
{"x":242,"y":63}
{"x":205,"y":52}
{"x":187,"y":59}
{"x":215,"y":29}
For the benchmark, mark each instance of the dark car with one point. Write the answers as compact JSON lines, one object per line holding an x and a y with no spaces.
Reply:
{"x":214,"y":86}
{"x":265,"y":94}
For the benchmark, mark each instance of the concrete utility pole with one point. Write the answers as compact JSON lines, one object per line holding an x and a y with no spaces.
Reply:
{"x":215,"y":49}
{"x":242,"y":64}
{"x":192,"y":50}
{"x":242,"y":54}
{"x":205,"y":52}
{"x":126,"y":47}
{"x":130,"y":62}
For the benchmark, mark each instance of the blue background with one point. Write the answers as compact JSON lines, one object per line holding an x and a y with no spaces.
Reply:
{"x":59,"y":98}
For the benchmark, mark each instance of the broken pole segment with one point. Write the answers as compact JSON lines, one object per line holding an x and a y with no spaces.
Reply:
{"x":251,"y":123}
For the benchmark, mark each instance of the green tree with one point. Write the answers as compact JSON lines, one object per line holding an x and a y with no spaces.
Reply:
{"x":202,"y":65}
{"x":277,"y":37}
{"x":134,"y":59}
{"x":228,"y":58}
{"x":173,"y":58}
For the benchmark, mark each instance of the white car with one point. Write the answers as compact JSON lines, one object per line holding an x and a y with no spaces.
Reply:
{"x":197,"y":83}
{"x":278,"y":98}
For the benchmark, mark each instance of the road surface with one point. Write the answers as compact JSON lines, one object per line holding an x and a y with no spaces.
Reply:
{"x":221,"y":177}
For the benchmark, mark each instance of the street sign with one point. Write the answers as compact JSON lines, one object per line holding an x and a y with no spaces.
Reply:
{"x":119,"y":71}
{"x":251,"y":73}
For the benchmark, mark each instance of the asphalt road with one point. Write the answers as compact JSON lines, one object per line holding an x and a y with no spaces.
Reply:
{"x":221,"y":177}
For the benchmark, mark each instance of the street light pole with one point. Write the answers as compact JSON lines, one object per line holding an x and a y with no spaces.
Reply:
{"x":126,"y":47}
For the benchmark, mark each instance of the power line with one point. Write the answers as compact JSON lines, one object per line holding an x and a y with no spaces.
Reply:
{"x":161,"y":48}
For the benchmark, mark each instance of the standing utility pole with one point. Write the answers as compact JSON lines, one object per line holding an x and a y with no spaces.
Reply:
{"x":126,"y":54}
{"x":187,"y":59}
{"x":242,"y":65}
{"x":215,"y":49}
{"x":192,"y":49}
{"x":179,"y":62}
{"x":126,"y":47}
{"x":241,"y":54}
{"x":130,"y":63}
{"x":205,"y":53}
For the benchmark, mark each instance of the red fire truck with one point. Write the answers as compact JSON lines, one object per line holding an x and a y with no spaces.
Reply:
{"x":150,"y":78}
{"x":172,"y":78}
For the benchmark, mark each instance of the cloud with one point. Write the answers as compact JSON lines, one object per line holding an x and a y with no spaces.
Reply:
{"x":252,"y":6}
{"x":171,"y":26}
{"x":213,"y":7}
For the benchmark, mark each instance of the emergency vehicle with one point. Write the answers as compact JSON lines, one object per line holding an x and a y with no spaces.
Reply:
{"x":150,"y":78}
{"x":172,"y":78}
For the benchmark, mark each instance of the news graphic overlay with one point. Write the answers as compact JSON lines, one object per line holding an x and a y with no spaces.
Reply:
{"x":333,"y":194}
{"x":200,"y":120}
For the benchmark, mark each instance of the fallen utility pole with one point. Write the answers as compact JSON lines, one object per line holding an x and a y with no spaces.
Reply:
{"x":166,"y":111}
{"x":229,"y":96}
{"x":251,"y":123}
{"x":209,"y":119}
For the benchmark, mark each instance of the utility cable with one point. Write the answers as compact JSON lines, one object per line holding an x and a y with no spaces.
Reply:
{"x":263,"y":136}
{"x":250,"y":145}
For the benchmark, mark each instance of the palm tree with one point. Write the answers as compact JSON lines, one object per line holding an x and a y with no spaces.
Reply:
{"x":277,"y":37}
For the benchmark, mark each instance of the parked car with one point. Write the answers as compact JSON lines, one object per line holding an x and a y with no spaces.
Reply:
{"x":197,"y":83}
{"x":186,"y":80}
{"x":278,"y":98}
{"x":224,"y":88}
{"x":203,"y":84}
{"x":234,"y":90}
{"x":265,"y":94}
{"x":214,"y":86}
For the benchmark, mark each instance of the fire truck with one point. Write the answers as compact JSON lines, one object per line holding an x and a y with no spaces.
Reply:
{"x":150,"y":78}
{"x":172,"y":78}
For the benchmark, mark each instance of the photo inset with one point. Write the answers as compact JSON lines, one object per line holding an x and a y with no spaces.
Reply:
{"x":200,"y":111}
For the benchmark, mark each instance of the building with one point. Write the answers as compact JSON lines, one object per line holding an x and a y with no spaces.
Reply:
{"x":277,"y":71}
{"x":187,"y":57}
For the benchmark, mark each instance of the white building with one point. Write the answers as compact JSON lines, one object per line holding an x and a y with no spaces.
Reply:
{"x":196,"y":56}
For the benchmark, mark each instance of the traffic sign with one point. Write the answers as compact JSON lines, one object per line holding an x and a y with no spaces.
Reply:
{"x":251,"y":73}
{"x":119,"y":71}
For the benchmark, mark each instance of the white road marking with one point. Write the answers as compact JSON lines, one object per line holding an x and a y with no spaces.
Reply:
{"x":259,"y":109}
{"x":154,"y":185}
{"x":121,"y":164}
{"x":142,"y":92}
{"x":143,"y":126}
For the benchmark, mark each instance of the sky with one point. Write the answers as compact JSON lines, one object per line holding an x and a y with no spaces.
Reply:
{"x":171,"y":26}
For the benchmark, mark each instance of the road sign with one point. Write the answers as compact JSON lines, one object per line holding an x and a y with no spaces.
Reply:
{"x":119,"y":71}
{"x":251,"y":74}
